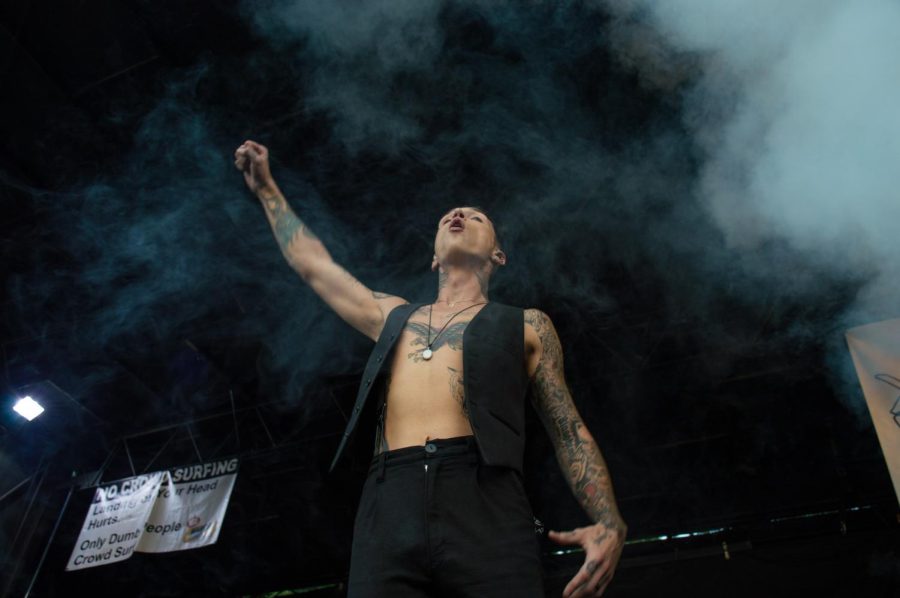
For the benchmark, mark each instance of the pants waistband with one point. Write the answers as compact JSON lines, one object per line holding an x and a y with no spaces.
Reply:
{"x":437,"y":448}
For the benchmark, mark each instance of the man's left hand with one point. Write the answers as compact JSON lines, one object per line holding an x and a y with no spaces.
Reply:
{"x":602,"y":548}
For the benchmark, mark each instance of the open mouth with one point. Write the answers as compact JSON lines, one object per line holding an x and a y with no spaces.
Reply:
{"x":457,"y":226}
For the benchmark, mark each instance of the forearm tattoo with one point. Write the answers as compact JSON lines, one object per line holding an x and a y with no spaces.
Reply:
{"x":576,"y":451}
{"x":285,"y":223}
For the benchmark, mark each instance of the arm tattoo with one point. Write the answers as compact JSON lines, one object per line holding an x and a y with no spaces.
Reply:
{"x":353,"y":280}
{"x":286,"y":223}
{"x":576,"y":451}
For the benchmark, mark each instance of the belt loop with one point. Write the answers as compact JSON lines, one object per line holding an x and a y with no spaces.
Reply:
{"x":473,"y":450}
{"x":380,"y":477}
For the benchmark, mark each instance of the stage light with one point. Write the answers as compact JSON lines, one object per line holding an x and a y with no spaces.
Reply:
{"x":28,"y":408}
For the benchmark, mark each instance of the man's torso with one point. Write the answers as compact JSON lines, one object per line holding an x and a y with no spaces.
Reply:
{"x":425,"y":398}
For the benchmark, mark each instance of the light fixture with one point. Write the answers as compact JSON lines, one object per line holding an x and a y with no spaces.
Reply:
{"x":28,"y":408}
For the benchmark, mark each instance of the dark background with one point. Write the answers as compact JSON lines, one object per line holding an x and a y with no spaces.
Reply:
{"x":147,"y":307}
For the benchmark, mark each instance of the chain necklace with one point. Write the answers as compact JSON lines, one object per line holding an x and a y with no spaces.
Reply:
{"x":427,"y":353}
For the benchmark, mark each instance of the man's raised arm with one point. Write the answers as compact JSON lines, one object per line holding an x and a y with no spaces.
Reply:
{"x":580,"y":460}
{"x":360,"y":307}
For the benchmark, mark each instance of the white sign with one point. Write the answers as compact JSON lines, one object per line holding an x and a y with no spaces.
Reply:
{"x":159,"y":512}
{"x":876,"y":354}
{"x":115,"y":522}
{"x":189,"y":510}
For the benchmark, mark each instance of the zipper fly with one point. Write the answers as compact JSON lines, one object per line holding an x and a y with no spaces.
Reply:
{"x":425,"y":495}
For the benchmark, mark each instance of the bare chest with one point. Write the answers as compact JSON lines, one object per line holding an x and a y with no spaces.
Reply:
{"x":421,"y":341}
{"x":430,"y":347}
{"x":425,"y":392}
{"x":426,"y":357}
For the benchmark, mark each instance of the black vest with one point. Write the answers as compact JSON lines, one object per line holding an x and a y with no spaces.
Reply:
{"x":494,"y":377}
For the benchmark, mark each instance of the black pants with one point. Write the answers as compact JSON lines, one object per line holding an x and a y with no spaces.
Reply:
{"x":434,"y":521}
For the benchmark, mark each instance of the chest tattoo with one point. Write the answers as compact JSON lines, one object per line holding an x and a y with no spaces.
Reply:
{"x":457,"y":388}
{"x":452,"y":337}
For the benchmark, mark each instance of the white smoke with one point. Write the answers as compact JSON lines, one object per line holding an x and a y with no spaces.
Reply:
{"x":359,"y":47}
{"x":796,"y":107}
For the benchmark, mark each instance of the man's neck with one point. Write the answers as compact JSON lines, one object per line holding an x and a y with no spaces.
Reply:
{"x":461,"y":286}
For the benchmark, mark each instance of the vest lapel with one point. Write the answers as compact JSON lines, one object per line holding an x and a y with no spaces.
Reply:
{"x":377,"y":360}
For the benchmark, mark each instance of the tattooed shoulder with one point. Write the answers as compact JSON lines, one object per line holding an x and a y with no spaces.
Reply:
{"x":550,"y":348}
{"x":536,"y":319}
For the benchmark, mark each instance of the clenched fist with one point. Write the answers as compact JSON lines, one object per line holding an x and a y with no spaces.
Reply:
{"x":252,"y":159}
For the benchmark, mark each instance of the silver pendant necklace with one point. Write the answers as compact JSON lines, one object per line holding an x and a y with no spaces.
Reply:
{"x":427,"y":353}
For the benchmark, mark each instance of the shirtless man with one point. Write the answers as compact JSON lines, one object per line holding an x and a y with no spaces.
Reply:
{"x":475,"y":536}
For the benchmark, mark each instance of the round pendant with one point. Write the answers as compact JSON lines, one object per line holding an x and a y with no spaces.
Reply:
{"x":426,"y":354}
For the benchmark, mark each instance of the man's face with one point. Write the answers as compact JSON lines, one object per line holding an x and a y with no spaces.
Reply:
{"x":464,"y":234}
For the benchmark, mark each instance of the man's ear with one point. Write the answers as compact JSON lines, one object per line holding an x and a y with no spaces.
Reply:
{"x":434,"y":263}
{"x":499,"y":257}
